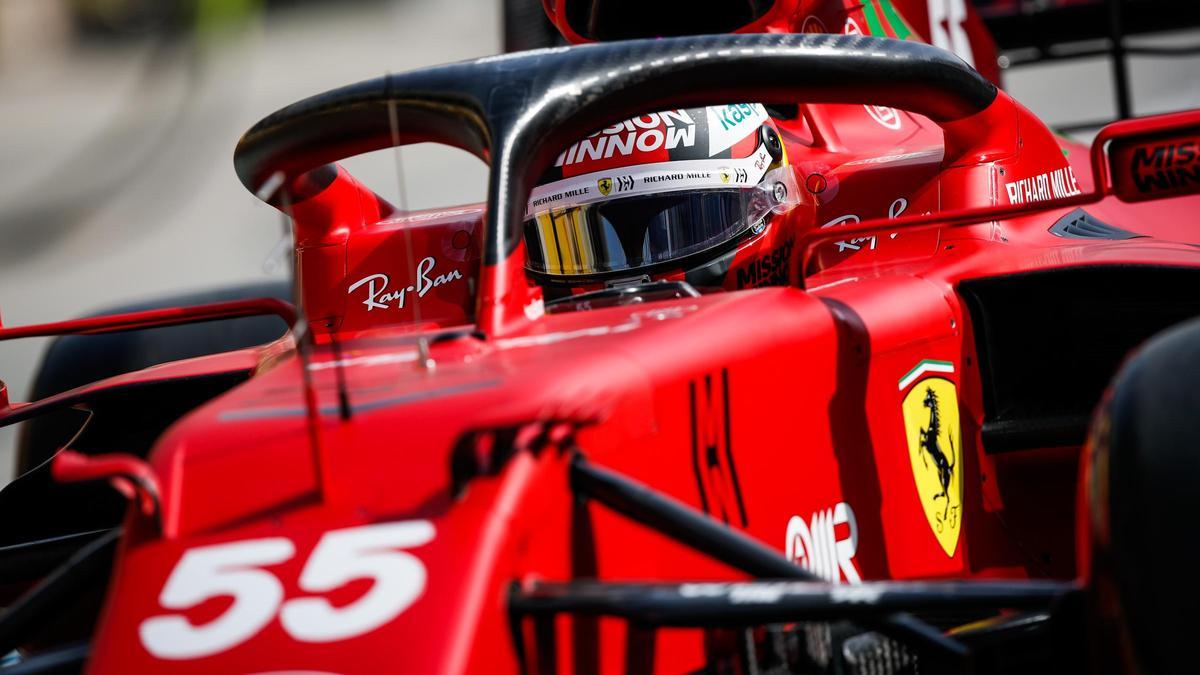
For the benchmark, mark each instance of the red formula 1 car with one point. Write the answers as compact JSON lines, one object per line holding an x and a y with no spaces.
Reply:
{"x":863,"y":447}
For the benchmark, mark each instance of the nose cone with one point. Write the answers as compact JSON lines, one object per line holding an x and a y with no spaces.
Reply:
{"x":371,"y":582}
{"x":411,"y":595}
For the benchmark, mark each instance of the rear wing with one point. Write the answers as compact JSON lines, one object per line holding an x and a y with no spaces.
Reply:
{"x":1066,"y":30}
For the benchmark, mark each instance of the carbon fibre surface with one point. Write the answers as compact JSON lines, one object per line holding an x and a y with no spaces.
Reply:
{"x":521,"y":109}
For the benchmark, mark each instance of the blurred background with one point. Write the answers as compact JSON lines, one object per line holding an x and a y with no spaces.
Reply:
{"x":118,"y":120}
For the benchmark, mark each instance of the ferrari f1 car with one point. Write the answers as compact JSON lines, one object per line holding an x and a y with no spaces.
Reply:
{"x":835,"y":405}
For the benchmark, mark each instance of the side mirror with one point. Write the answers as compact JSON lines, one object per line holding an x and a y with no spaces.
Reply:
{"x":1150,"y":158}
{"x":129,"y":475}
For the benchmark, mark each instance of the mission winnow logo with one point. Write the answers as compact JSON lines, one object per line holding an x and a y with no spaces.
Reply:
{"x":1166,"y":166}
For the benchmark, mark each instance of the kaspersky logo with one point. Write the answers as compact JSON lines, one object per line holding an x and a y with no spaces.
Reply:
{"x":731,"y":116}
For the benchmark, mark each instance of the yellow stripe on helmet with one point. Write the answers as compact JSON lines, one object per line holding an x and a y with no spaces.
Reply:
{"x":545,"y":222}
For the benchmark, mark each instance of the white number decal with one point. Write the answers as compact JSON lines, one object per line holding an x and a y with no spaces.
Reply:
{"x":234,"y":569}
{"x":358,"y":553}
{"x":209,"y":572}
{"x":952,"y":15}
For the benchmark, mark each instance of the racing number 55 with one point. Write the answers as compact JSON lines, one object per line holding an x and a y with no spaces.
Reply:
{"x":947,"y":28}
{"x":235,"y":569}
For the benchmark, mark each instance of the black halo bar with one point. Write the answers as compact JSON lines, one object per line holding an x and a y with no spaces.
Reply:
{"x":720,"y":542}
{"x":518,"y":111}
{"x":748,"y":603}
{"x":91,"y":564}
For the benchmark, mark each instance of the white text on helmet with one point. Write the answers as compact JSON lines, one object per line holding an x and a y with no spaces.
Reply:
{"x":646,"y":133}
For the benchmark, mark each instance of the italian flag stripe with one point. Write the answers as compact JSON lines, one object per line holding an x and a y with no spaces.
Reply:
{"x":899,"y":25}
{"x":926,"y":366}
{"x":874,"y":25}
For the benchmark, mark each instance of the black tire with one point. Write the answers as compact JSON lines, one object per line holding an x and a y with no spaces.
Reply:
{"x":75,"y":360}
{"x":1146,"y":480}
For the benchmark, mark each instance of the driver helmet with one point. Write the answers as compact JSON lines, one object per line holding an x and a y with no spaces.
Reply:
{"x":689,"y":194}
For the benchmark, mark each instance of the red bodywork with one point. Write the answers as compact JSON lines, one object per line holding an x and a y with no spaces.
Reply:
{"x":292,"y":536}
{"x":953,"y":25}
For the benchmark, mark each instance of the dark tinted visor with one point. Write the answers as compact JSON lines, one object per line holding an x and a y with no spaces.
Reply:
{"x":628,"y":19}
{"x":635,"y":232}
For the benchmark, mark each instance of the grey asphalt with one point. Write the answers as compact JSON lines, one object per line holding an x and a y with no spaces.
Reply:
{"x":116,"y":180}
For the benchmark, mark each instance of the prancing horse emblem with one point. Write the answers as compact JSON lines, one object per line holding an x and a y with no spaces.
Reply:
{"x":929,"y":443}
{"x":605,"y":186}
{"x":935,"y":453}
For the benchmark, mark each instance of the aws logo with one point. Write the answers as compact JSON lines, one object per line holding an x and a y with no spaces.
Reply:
{"x":820,"y":546}
{"x":935,"y":448}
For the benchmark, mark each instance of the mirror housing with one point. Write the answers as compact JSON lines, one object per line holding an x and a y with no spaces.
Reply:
{"x":129,"y":475}
{"x":1150,"y":158}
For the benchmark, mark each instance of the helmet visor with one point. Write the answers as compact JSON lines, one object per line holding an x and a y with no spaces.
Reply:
{"x":627,"y":234}
{"x":602,"y":20}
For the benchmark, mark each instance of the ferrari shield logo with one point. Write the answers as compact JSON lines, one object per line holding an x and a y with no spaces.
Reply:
{"x":605,"y":186}
{"x":935,"y":451}
{"x":726,"y":175}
